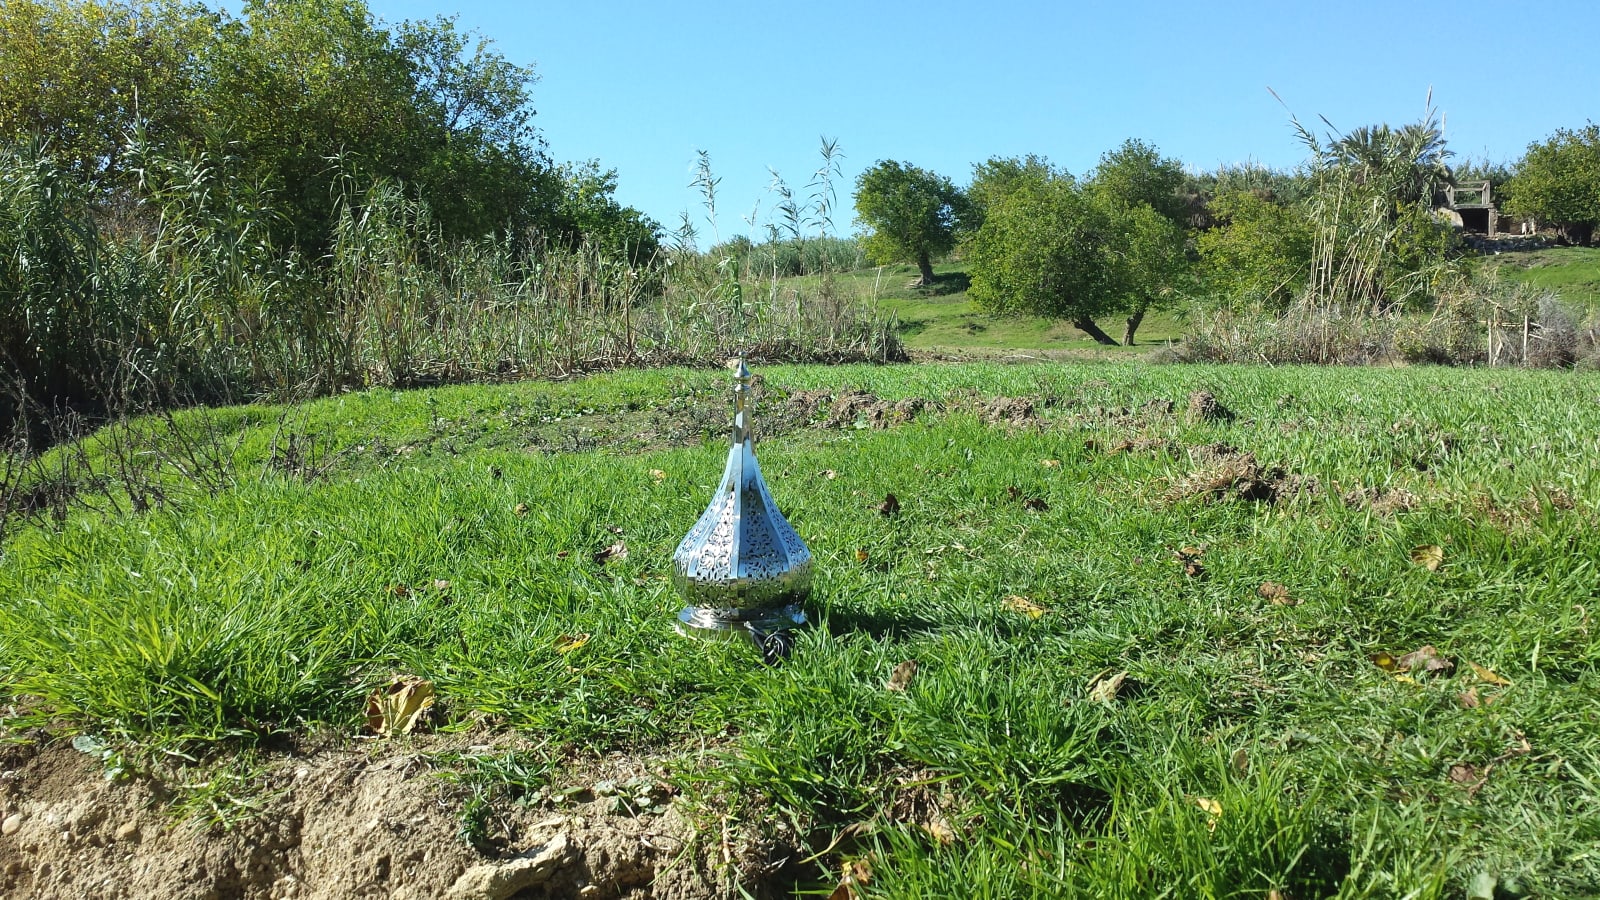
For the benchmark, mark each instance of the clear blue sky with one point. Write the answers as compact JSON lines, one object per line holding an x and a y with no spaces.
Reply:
{"x":642,"y":86}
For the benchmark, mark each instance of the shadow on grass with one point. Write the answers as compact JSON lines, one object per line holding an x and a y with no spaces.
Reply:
{"x":945,"y":284}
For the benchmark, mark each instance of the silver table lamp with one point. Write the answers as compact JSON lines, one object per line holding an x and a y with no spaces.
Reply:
{"x":742,"y":568}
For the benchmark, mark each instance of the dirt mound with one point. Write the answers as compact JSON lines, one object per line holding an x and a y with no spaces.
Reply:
{"x":859,"y":408}
{"x":1014,"y":411}
{"x":1204,"y":407}
{"x":1222,"y":472}
{"x":1383,"y":501}
{"x":349,"y":822}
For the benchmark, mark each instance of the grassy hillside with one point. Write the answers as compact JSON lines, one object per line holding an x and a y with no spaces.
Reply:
{"x":1330,"y":634}
{"x":1572,"y":272}
{"x":944,"y":318}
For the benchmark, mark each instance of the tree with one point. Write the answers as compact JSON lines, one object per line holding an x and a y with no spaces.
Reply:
{"x":1558,"y":181}
{"x":1045,"y":248}
{"x":1139,"y":190}
{"x":1408,"y":164}
{"x":994,"y":178}
{"x":82,"y":73}
{"x":913,"y":213}
{"x":589,"y":209}
{"x":1259,"y":251}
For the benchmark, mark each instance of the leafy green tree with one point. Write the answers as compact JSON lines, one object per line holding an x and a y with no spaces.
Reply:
{"x":995,"y":177}
{"x":319,"y":101}
{"x":1045,"y":249}
{"x":1141,"y":193}
{"x":588,"y":208}
{"x":913,"y":213}
{"x":82,"y":73}
{"x":1259,"y":251}
{"x":1558,"y":181}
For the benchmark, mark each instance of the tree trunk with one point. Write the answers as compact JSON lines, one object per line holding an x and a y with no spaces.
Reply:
{"x":1133,"y":324}
{"x":1087,"y":326}
{"x":926,"y":265}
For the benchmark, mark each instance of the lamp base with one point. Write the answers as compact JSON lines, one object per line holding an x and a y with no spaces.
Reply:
{"x":768,"y":629}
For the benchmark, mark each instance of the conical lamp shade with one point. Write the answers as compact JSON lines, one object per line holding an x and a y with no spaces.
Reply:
{"x":742,"y":567}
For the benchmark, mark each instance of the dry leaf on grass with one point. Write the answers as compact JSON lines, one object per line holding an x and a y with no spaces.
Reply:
{"x":1241,"y":760}
{"x":1050,"y":463}
{"x":397,"y":707}
{"x":521,"y":509}
{"x":1277,"y":593}
{"x":900,"y":678}
{"x":1105,"y":686}
{"x":1213,"y":811}
{"x":1020,"y":604}
{"x":569,"y":642}
{"x":853,"y":873}
{"x":1426,"y":658}
{"x":829,"y":474}
{"x":658,"y":475}
{"x":1461,"y":773}
{"x":940,"y":830}
{"x":619,"y":550}
{"x":1428,"y":556}
{"x":862,"y":556}
{"x":1488,"y":676}
{"x":1189,"y":558}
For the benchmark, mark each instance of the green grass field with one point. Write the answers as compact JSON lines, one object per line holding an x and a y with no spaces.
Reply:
{"x":1572,"y":272}
{"x":943,"y":318}
{"x":1156,"y":656}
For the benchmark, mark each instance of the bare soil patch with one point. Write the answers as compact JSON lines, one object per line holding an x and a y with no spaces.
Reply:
{"x":351,"y":821}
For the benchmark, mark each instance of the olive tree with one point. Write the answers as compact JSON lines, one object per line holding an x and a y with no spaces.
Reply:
{"x":913,"y":214}
{"x":1045,"y":249}
{"x":1558,"y":181}
{"x":1139,"y":190}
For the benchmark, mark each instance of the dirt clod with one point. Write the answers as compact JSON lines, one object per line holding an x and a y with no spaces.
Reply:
{"x":1013,"y":411}
{"x":498,"y":881}
{"x":859,"y":408}
{"x":1204,"y":407}
{"x":1222,"y":472}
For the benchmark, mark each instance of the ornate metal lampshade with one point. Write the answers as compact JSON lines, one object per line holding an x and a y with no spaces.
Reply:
{"x":742,"y":568}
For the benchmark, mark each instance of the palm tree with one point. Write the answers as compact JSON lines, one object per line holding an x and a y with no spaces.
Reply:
{"x":1408,"y":163}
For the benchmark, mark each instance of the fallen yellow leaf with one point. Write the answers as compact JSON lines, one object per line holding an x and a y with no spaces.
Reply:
{"x":397,"y":707}
{"x":1428,"y":556}
{"x":658,"y":475}
{"x":1105,"y":686}
{"x":1050,"y":463}
{"x":1020,"y":604}
{"x":569,"y":642}
{"x":1488,"y":676}
{"x":1213,"y":810}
